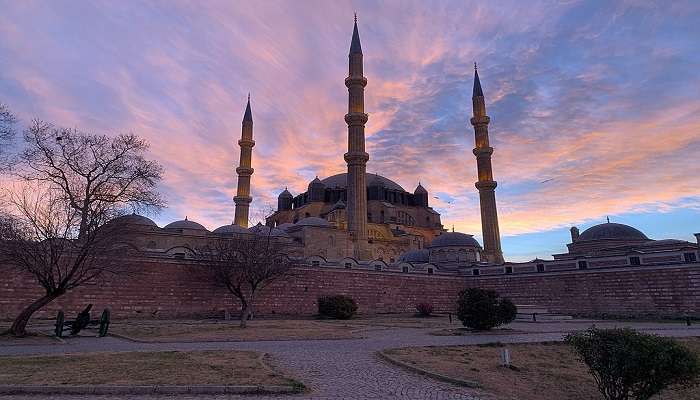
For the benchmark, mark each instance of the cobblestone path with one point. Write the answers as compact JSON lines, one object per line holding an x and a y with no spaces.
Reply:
{"x":335,"y":369}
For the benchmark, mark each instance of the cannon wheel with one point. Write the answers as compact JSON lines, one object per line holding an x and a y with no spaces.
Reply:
{"x":104,"y":323}
{"x":60,"y":319}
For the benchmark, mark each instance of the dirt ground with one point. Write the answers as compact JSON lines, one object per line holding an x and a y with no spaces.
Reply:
{"x":145,"y":368}
{"x":543,"y":370}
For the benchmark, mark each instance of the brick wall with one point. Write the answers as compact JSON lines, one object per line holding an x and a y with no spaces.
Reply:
{"x":168,"y":289}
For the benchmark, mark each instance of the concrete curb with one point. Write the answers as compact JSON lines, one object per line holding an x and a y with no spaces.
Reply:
{"x":444,"y":378}
{"x":131,"y":339}
{"x":144,"y":389}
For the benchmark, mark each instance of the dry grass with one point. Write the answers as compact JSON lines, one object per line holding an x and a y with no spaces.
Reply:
{"x":544,"y":370}
{"x":229,"y":330}
{"x":145,"y":368}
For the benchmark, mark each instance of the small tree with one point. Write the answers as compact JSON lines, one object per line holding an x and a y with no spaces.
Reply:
{"x":628,"y":364}
{"x":245,"y":264}
{"x":483,"y":309}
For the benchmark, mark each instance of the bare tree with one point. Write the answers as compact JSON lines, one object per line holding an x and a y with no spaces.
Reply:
{"x":41,"y":239}
{"x":94,"y":173}
{"x":246,"y":263}
{"x":58,"y":229}
{"x":7,"y":132}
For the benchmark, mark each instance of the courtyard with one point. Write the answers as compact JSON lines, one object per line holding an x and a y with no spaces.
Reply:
{"x":314,"y":359}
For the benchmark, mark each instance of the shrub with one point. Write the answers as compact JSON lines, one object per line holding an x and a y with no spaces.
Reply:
{"x":626,"y":364}
{"x":338,"y":307}
{"x":482,"y":309}
{"x":424,"y":309}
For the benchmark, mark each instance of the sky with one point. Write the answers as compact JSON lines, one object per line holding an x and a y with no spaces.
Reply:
{"x":594,"y":105}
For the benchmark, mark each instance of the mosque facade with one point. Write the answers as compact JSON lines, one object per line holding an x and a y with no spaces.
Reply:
{"x":356,"y":219}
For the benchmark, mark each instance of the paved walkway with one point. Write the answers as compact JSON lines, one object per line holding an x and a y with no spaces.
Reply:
{"x":348,"y":368}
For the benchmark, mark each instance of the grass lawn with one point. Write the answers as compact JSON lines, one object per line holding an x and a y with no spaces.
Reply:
{"x":544,"y":370}
{"x":211,"y":330}
{"x":143,"y":368}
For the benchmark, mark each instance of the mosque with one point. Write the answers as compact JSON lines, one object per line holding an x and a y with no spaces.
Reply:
{"x":355,"y":219}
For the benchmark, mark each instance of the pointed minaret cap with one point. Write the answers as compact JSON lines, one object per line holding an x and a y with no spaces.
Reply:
{"x":477,"y":84}
{"x":355,"y":47}
{"x":248,"y":116}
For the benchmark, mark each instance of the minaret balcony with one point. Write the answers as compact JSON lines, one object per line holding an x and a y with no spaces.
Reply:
{"x":486,"y":185}
{"x":355,"y":80}
{"x":355,"y":118}
{"x":480,"y":120}
{"x":356,"y":157}
{"x":244,"y":171}
{"x":482,"y":151}
{"x":242,"y":200}
{"x":246,"y":142}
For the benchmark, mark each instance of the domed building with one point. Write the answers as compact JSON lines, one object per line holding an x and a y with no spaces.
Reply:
{"x":615,"y":239}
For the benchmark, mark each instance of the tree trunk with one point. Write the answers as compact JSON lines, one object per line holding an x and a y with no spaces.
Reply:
{"x":19,"y":326}
{"x":244,"y":315}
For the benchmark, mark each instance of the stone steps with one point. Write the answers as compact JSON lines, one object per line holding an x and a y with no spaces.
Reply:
{"x":525,"y":313}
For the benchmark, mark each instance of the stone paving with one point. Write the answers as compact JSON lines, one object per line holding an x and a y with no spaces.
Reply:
{"x":348,"y":368}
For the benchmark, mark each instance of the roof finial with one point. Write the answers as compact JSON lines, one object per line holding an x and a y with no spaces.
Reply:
{"x":185,"y":217}
{"x":248,"y":96}
{"x":475,"y":66}
{"x":608,"y":218}
{"x":453,"y":228}
{"x":355,"y":16}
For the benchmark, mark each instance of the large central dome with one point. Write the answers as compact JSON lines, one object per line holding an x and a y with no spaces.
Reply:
{"x":341,"y":181}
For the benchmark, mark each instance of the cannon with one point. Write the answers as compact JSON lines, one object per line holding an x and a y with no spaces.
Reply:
{"x":83,"y":321}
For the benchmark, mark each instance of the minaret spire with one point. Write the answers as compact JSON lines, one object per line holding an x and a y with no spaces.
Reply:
{"x":356,"y":157}
{"x":244,"y":170}
{"x":486,"y":185}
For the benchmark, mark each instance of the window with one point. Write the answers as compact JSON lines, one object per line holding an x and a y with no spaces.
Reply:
{"x":316,"y":263}
{"x":689,"y":257}
{"x":430,"y":271}
{"x":151,"y":244}
{"x":377,"y":267}
{"x":179,"y":255}
{"x":348,"y":265}
{"x":582,"y":265}
{"x":391,"y":260}
{"x":635,"y":261}
{"x":475,"y":272}
{"x":404,"y":269}
{"x":509,"y":270}
{"x":540,"y":267}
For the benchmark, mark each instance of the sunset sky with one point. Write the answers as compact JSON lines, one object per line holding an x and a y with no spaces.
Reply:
{"x":594,"y":106}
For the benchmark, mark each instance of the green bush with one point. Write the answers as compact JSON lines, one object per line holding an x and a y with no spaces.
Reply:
{"x":631,"y":365}
{"x":482,"y":309}
{"x":337,"y":307}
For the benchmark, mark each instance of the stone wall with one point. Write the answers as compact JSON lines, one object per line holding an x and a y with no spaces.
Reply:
{"x":669,"y":291}
{"x":174,"y":288}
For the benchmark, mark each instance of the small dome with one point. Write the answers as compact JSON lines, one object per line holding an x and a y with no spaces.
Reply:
{"x":232,"y":229}
{"x":185,"y":224}
{"x":313,"y":221}
{"x":612,"y":230}
{"x":285,"y":194}
{"x":285,"y":226}
{"x":415,"y":256}
{"x":420,"y":189}
{"x":134,"y":219}
{"x":455,"y":239}
{"x":316,"y":181}
{"x":265,"y":230}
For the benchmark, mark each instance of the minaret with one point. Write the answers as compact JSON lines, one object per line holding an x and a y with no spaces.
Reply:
{"x":244,"y":169}
{"x":356,"y":157}
{"x":486,"y":185}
